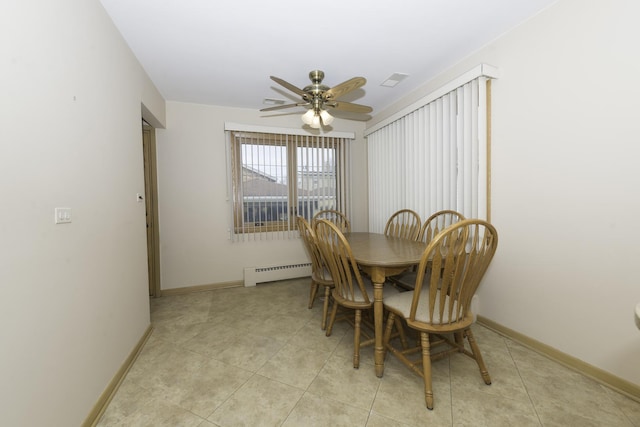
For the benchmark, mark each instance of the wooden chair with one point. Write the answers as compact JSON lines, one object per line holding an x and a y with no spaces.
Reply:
{"x":404,"y":223}
{"x":320,"y":275}
{"x":336,"y":217}
{"x":438,"y":222}
{"x":352,"y":291}
{"x":440,"y":302}
{"x":431,"y":227}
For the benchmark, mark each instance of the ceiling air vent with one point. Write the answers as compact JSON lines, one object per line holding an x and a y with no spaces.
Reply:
{"x":394,"y":79}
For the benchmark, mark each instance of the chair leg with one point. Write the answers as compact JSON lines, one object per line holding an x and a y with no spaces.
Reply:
{"x":332,"y":319}
{"x":387,"y":331}
{"x":325,"y":308}
{"x":476,"y":355}
{"x":403,"y":337}
{"x":312,"y":292}
{"x":459,"y":338}
{"x":426,"y":367}
{"x":393,"y":320}
{"x":356,"y":339}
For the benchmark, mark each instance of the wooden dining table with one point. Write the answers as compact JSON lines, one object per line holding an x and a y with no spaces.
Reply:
{"x":382,"y":256}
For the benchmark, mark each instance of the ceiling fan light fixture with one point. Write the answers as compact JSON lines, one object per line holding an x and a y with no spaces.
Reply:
{"x":308,"y":116}
{"x":327,"y":118}
{"x":317,"y":96}
{"x":316,"y":122}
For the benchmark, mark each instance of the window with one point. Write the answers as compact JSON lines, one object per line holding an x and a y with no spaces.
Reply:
{"x":278,"y":176}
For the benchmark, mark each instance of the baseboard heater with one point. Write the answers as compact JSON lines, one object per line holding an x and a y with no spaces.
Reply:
{"x":255,"y":275}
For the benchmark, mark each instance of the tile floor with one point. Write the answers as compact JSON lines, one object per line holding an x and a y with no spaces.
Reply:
{"x":257,"y":357}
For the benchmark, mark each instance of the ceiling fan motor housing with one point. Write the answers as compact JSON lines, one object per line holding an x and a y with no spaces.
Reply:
{"x":316,"y":89}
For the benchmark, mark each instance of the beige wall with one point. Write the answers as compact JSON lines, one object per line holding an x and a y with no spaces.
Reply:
{"x":566,"y":126}
{"x":74,"y":300}
{"x":74,"y":297}
{"x":195,"y":248}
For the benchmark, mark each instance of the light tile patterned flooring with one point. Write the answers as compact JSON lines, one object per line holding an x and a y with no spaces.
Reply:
{"x":257,"y":357}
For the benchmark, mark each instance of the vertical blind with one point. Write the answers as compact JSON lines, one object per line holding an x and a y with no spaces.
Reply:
{"x":434,"y":157}
{"x":278,"y":176}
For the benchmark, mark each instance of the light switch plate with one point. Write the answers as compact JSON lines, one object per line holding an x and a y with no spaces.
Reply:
{"x":62,"y":215}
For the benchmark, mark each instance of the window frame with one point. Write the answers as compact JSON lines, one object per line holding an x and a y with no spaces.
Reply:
{"x":243,"y":230}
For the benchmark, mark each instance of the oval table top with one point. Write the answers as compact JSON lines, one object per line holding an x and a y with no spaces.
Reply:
{"x":375,"y":249}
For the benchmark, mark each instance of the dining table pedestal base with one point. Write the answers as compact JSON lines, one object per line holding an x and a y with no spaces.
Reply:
{"x":381,"y":256}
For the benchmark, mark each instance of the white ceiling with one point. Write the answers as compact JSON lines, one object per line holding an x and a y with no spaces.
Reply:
{"x":223,"y":52}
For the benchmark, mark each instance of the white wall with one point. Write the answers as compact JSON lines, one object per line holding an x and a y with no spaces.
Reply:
{"x":193,"y":210}
{"x":74,"y":297}
{"x":565,"y":176}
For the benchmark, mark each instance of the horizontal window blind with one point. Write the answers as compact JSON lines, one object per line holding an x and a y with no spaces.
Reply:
{"x":434,"y":157}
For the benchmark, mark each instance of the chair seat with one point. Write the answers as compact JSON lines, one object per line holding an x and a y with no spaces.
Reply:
{"x":323,"y":277}
{"x":400,"y":303}
{"x":359,"y":299}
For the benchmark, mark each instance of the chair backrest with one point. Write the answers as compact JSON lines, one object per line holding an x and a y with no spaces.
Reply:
{"x":405,"y":223}
{"x":336,"y":252}
{"x":336,"y":217}
{"x":438,"y":222}
{"x":457,"y":259}
{"x":311,"y":245}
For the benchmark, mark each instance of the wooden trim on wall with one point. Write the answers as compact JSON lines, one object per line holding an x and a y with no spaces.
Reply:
{"x":489,"y":150}
{"x":103,"y":401}
{"x":603,"y":377}
{"x":201,"y":288}
{"x":105,"y":398}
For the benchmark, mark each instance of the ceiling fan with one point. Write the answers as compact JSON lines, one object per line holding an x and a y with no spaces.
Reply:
{"x":318,"y":97}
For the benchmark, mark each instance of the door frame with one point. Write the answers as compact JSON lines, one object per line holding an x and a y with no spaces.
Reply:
{"x":151,"y":205}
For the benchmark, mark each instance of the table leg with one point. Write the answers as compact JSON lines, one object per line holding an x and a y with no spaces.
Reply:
{"x":378,"y":277}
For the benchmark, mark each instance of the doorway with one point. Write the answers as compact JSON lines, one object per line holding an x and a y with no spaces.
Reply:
{"x":151,"y":204}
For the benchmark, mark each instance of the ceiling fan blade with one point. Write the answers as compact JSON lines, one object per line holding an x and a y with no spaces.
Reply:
{"x":348,"y":106}
{"x":344,"y":87}
{"x":280,"y":107}
{"x":289,"y":86}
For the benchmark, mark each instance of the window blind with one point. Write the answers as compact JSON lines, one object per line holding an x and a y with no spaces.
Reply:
{"x":432,"y":158}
